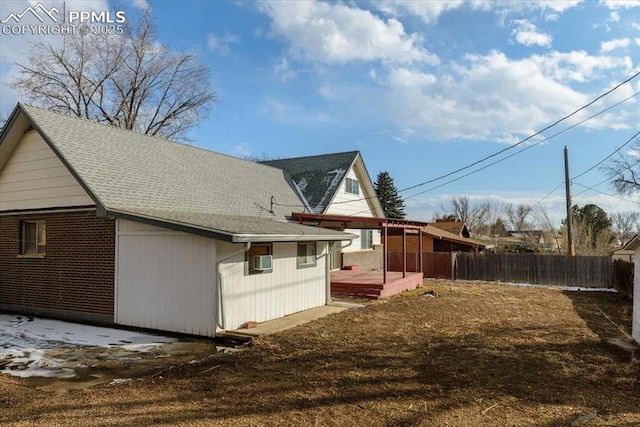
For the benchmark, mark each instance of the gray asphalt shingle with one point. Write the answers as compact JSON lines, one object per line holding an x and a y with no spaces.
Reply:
{"x":154,"y":177}
{"x":317,"y":178}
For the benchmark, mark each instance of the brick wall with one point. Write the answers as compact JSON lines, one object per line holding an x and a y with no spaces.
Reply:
{"x":77,"y":272}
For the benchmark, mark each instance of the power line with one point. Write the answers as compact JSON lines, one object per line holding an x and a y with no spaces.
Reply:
{"x":519,"y":143}
{"x":539,"y":202}
{"x":608,"y":157}
{"x":524,"y":149}
{"x":527,"y":138}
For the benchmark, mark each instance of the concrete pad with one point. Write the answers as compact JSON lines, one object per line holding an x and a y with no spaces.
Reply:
{"x":290,"y":321}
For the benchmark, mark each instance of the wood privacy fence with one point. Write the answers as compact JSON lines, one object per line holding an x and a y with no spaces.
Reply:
{"x":623,"y":277}
{"x":583,"y":271}
{"x":437,"y":265}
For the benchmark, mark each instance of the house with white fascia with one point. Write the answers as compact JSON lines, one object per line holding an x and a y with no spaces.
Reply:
{"x":106,"y":225}
{"x":336,"y":184}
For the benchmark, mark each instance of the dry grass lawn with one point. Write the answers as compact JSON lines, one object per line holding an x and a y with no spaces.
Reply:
{"x":476,"y":355}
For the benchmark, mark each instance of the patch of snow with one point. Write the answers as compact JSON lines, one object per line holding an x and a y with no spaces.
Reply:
{"x":560,"y":288}
{"x":120,"y":381}
{"x":29,"y":344}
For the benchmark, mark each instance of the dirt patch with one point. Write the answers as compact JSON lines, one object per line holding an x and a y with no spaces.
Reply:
{"x":476,"y":354}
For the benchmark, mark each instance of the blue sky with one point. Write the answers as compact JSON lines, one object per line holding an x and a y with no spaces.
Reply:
{"x":421,"y":88}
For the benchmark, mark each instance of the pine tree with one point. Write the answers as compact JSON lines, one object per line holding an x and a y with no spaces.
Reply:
{"x":392,"y":204}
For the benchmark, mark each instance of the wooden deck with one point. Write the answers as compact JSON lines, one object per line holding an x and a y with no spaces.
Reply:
{"x":369,"y":284}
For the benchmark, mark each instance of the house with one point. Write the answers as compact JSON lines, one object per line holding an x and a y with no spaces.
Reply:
{"x":338,"y":184}
{"x":105,"y":225}
{"x":451,"y":225}
{"x":628,"y":251}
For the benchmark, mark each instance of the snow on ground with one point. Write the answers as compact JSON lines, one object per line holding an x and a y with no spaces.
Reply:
{"x":559,"y":288}
{"x":35,"y":347}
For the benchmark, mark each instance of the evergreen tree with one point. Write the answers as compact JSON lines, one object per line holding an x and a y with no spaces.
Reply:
{"x":392,"y":203}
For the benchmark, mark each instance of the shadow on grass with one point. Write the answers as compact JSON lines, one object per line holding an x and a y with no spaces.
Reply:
{"x":368,"y":377}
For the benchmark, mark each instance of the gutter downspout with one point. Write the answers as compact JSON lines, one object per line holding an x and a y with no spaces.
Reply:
{"x":220,"y":318}
{"x":328,"y":269}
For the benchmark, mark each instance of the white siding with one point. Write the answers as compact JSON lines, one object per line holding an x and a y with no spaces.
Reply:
{"x":356,"y":208}
{"x":34,"y":178}
{"x":636,"y":301}
{"x":260,"y":297}
{"x":165,"y":279}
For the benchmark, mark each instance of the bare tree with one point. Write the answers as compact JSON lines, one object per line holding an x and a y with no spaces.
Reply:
{"x":517,"y":216}
{"x":129,"y":80}
{"x":623,"y":224}
{"x":624,"y":170}
{"x":492,"y":224}
{"x":542,"y":220}
{"x":3,"y":119}
{"x":472,"y":214}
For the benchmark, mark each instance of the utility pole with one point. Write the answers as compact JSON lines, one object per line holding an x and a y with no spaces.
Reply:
{"x":567,"y":183}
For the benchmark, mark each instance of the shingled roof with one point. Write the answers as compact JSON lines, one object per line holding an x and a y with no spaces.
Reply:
{"x":316,"y":178}
{"x":141,"y":177}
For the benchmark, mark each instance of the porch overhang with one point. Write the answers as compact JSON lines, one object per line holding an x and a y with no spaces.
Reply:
{"x":342,"y":222}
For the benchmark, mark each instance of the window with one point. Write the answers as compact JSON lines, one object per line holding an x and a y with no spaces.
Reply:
{"x":306,"y":254}
{"x":34,"y":238}
{"x":260,"y":258}
{"x":353,"y":186}
{"x":366,"y":239}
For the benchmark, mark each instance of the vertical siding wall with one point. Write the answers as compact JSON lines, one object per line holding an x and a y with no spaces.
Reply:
{"x":35,"y":178}
{"x":355,"y":207}
{"x":261,"y":297}
{"x":75,"y":276}
{"x":165,"y":279}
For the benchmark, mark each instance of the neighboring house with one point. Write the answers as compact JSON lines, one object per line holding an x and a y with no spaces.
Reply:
{"x":528,"y":241}
{"x":453,"y":226}
{"x":106,"y":225}
{"x":635,"y":328}
{"x":628,"y":251}
{"x":336,"y":184}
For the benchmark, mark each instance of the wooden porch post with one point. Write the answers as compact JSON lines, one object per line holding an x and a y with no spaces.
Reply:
{"x":404,"y":252}
{"x":384,"y":254}
{"x":420,"y":255}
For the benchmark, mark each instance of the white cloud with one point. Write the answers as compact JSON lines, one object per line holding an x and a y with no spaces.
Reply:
{"x":427,"y":10}
{"x":221,"y":44}
{"x":527,"y":33}
{"x":577,"y":66}
{"x":495,"y":97}
{"x":415,"y":80}
{"x":555,"y":5}
{"x":620,"y":4}
{"x":334,"y":33}
{"x":614,"y":44}
{"x":430,"y":11}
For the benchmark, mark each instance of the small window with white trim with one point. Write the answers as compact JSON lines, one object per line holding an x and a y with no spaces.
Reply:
{"x":34,"y":238}
{"x":260,"y":258}
{"x":307,"y":254}
{"x":353,"y":186}
{"x":366,"y":239}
